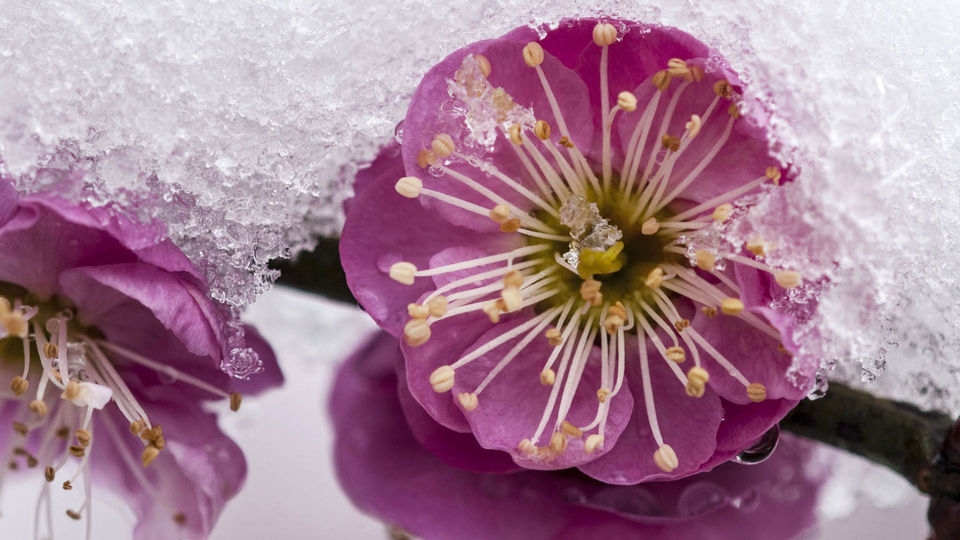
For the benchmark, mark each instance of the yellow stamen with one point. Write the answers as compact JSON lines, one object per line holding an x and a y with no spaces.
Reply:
{"x":697,"y":379}
{"x":604,"y":34}
{"x":705,"y":260}
{"x":438,"y":306}
{"x":570,"y":430}
{"x":666,"y":459}
{"x":442,"y":379}
{"x":650,"y":226}
{"x":788,"y":279}
{"x":626,"y":101}
{"x":19,"y":385}
{"x":654,"y":278}
{"x":483,"y":63}
{"x":403,"y":272}
{"x":590,"y":292}
{"x":533,"y":54}
{"x":757,"y":392}
{"x":443,"y":145}
{"x":542,"y":130}
{"x":418,"y":311}
{"x":548,"y":377}
{"x":235,"y":400}
{"x":468,"y":401}
{"x":731,"y":306}
{"x":592,"y":443}
{"x":722,"y":212}
{"x":676,"y":354}
{"x":500,"y":213}
{"x":553,"y":337}
{"x":416,"y":332}
{"x":600,"y":262}
{"x":558,"y":443}
{"x":409,"y":186}
{"x":661,"y":80}
{"x":149,"y":454}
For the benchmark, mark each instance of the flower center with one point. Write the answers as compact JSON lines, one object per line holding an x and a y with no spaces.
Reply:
{"x":607,"y":250}
{"x":73,"y":369}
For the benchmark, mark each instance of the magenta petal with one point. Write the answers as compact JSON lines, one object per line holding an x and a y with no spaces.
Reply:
{"x":378,"y":233}
{"x":127,"y":301}
{"x":682,"y":419}
{"x":511,"y":407}
{"x":195,"y":475}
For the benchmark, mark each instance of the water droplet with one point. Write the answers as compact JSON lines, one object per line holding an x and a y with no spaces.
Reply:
{"x":398,"y":132}
{"x":762,"y":449}
{"x":700,"y":498}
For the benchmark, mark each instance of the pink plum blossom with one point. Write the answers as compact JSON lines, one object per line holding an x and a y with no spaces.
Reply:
{"x":552,"y":241}
{"x":112,"y":347}
{"x":387,"y":470}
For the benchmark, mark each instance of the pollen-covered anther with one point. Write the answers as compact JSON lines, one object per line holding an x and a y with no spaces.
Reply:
{"x":756,"y":246}
{"x":570,"y":430}
{"x":152,"y":434}
{"x":49,"y":474}
{"x":661,"y":80}
{"x":697,"y":379}
{"x":655,"y":278}
{"x":137,"y":426}
{"x":38,"y":407}
{"x":553,"y":336}
{"x":483,"y":63}
{"x":566,"y":142}
{"x":67,"y":485}
{"x":443,"y":145}
{"x":773,"y":173}
{"x":468,"y":400}
{"x":416,"y":332}
{"x":71,"y":391}
{"x":705,"y":260}
{"x":616,"y":317}
{"x":494,"y":310}
{"x":438,"y":306}
{"x":590,"y":292}
{"x":403,"y":272}
{"x":670,"y":143}
{"x":542,"y":130}
{"x":14,"y":324}
{"x":442,"y":378}
{"x":514,"y":134}
{"x":676,"y":354}
{"x":681,"y":324}
{"x":603,"y":394}
{"x":149,"y":454}
{"x":677,"y":67}
{"x":665,"y":458}
{"x":788,"y":279}
{"x":757,"y":392}
{"x":527,"y":447}
{"x":511,"y":298}
{"x":548,"y":377}
{"x":722,"y":88}
{"x":235,"y":401}
{"x":709,"y":311}
{"x":558,"y":442}
{"x":626,"y":101}
{"x":513,"y":278}
{"x":50,"y":350}
{"x":427,"y":157}
{"x":19,"y":385}
{"x":604,"y":34}
{"x":731,"y":306}
{"x":510,"y":225}
{"x":734,"y":110}
{"x":650,"y":226}
{"x":592,"y":442}
{"x":418,"y":311}
{"x":532,"y":54}
{"x":77,"y":451}
{"x":693,"y":125}
{"x":722,"y":212}
{"x":409,"y":186}
{"x":500,"y":213}
{"x":83,"y":437}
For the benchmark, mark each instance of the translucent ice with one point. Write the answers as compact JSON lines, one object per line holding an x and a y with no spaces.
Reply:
{"x":238,"y":123}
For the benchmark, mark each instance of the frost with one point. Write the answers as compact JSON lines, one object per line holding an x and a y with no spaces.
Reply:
{"x":238,"y":122}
